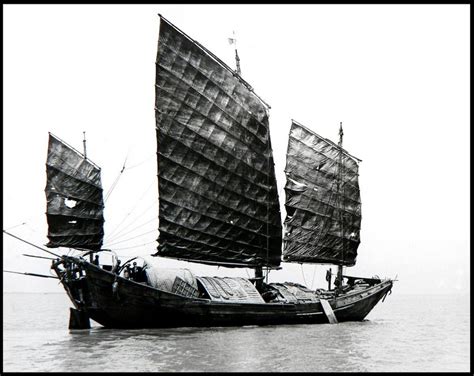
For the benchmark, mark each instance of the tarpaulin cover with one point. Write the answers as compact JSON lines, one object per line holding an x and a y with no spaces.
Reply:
{"x":294,"y":293}
{"x":218,"y":200}
{"x":231,"y":289}
{"x":74,"y":207}
{"x":314,"y":231}
{"x":166,"y":279}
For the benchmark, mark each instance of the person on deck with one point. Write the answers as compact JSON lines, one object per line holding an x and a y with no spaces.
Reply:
{"x":337,"y":282}
{"x":134,"y":271}
{"x":126,"y":271}
{"x":116,"y":267}
{"x":139,"y":277}
{"x":96,"y":260}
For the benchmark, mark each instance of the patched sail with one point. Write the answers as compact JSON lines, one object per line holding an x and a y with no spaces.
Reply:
{"x":74,"y":198}
{"x":323,"y":220}
{"x":218,"y":200}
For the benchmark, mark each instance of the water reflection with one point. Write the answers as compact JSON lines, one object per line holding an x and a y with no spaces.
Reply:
{"x":402,"y":336}
{"x":271,"y":348}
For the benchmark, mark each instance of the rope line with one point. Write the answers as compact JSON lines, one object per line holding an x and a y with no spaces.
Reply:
{"x":131,"y":211}
{"x":135,"y":246}
{"x":142,"y":162}
{"x":117,"y":235}
{"x":134,"y":237}
{"x":135,"y":228}
{"x":314,"y":275}
{"x":302,"y":272}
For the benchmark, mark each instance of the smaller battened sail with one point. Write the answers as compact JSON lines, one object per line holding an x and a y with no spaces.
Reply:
{"x":74,"y":198}
{"x":323,"y":220}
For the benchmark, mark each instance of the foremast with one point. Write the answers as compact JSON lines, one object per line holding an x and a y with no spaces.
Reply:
{"x":74,"y":198}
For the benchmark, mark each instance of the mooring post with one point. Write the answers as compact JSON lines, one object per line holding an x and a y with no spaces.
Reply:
{"x":78,"y":319}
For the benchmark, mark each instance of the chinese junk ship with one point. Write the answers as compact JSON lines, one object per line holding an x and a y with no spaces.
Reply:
{"x":218,"y":205}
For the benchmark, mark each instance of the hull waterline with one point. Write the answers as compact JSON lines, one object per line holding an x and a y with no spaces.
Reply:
{"x":116,"y":302}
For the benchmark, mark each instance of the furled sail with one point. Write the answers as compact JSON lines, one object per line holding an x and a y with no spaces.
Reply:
{"x":74,"y":198}
{"x":218,"y":199}
{"x":323,"y":221}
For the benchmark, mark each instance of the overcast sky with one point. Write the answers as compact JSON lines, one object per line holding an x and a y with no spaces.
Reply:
{"x":397,"y":76}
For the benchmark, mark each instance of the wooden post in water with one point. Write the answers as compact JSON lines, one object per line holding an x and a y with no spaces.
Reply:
{"x":78,"y":319}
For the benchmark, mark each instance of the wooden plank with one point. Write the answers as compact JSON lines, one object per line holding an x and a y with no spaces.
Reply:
{"x":328,"y":311}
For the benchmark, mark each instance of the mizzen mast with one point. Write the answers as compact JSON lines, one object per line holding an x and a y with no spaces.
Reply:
{"x":341,"y":207}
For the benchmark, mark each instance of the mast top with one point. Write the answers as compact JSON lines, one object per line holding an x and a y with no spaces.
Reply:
{"x":341,"y":134}
{"x":233,"y":41}
{"x":84,"y":142}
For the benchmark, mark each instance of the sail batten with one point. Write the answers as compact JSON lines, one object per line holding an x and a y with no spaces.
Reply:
{"x":250,"y":225}
{"x":323,"y":210}
{"x":229,"y":95}
{"x":74,"y":203}
{"x":252,"y":214}
{"x":317,"y":187}
{"x":326,"y":140}
{"x":216,"y":179}
{"x":190,"y":137}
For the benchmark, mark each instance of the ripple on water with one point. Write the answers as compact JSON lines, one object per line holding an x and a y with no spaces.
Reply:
{"x":401,"y":335}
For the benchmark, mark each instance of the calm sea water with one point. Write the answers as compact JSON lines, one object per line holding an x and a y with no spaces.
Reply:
{"x":405,"y":333}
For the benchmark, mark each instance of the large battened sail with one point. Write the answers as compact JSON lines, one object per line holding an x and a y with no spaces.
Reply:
{"x":218,"y":200}
{"x":74,"y":198}
{"x":323,"y":220}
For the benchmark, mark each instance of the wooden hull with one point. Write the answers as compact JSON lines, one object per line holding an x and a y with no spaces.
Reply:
{"x":115,"y":302}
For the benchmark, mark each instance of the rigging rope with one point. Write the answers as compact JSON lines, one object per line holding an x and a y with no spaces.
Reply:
{"x":314,"y":275}
{"x":134,"y":237}
{"x":26,"y":222}
{"x":135,"y":246}
{"x":114,"y":184}
{"x":114,"y":237}
{"x":152,"y":157}
{"x":302,"y":272}
{"x":21,"y":224}
{"x":131,"y":211}
{"x":133,"y":229}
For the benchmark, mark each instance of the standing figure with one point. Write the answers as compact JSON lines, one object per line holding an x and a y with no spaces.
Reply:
{"x":133,"y":271}
{"x":328,"y":278}
{"x":126,"y":271}
{"x":116,"y":268}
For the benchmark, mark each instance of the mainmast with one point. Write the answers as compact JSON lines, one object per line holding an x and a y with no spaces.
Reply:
{"x":237,"y":59}
{"x":258,"y":269}
{"x":341,"y":208}
{"x":84,"y":142}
